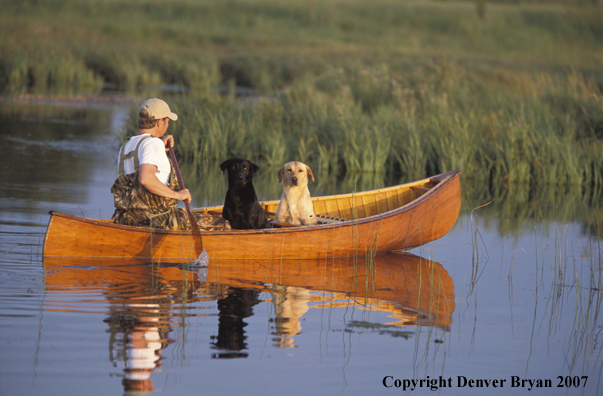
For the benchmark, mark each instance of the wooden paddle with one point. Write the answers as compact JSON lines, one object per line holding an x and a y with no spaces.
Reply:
{"x":194,"y":225}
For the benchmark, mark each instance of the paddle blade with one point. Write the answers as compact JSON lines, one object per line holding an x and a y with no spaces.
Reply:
{"x":202,"y":260}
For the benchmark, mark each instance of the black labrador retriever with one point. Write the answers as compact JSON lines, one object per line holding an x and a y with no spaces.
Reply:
{"x":241,"y":206}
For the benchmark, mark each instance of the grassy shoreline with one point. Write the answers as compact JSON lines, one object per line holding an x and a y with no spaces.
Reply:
{"x":512,"y":93}
{"x":369,"y":121}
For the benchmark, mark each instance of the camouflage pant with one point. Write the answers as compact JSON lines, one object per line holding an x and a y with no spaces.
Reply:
{"x":135,"y":206}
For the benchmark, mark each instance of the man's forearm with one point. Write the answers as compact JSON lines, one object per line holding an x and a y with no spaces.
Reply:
{"x":150,"y":181}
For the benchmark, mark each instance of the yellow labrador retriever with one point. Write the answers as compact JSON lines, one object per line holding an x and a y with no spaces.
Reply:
{"x":296,"y":205}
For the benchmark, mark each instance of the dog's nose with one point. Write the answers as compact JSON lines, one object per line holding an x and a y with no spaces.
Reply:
{"x":294,"y":180}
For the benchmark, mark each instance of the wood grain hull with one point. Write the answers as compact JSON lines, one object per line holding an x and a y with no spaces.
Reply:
{"x":378,"y":221}
{"x":409,"y":289}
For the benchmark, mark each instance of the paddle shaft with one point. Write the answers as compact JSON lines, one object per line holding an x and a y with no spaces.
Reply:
{"x":194,"y":224}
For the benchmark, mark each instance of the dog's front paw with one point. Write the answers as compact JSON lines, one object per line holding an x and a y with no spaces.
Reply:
{"x":311,"y":220}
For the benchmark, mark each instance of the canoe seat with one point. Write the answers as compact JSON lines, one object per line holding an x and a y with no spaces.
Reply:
{"x":420,"y":188}
{"x":322,"y":219}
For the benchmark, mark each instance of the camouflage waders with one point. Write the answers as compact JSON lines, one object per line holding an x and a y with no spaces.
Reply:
{"x":135,"y":206}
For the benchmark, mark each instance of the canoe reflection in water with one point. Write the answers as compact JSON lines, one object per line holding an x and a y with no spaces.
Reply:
{"x":146,"y":303}
{"x":410,"y":289}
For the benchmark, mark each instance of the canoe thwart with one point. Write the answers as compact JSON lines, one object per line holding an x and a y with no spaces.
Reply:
{"x":283,"y":224}
{"x":420,"y":188}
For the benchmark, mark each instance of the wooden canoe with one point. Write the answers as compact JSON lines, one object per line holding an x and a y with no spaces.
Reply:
{"x":409,"y":289}
{"x":357,"y":224}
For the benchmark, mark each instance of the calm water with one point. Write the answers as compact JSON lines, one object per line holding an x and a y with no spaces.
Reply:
{"x":512,"y":293}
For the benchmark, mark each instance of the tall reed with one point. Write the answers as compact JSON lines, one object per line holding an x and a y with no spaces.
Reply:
{"x":514,"y":98}
{"x":547,"y":130}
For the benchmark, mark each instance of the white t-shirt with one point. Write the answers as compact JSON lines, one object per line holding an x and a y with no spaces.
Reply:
{"x":151,"y":151}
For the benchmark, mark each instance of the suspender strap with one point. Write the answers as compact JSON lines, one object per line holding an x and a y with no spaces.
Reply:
{"x":133,"y":153}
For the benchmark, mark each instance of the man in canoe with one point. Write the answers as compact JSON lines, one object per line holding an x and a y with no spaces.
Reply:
{"x":146,"y":191}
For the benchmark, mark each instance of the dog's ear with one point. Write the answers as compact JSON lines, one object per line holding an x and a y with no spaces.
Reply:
{"x":224,"y":165}
{"x":309,"y":172}
{"x":280,"y":174}
{"x":254,"y":168}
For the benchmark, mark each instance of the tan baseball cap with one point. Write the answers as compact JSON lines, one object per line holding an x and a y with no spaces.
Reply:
{"x":158,"y":108}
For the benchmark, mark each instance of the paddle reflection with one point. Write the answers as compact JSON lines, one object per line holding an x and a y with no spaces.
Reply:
{"x":146,"y":305}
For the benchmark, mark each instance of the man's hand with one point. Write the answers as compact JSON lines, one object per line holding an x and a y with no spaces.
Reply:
{"x":168,"y":140}
{"x":184,"y":195}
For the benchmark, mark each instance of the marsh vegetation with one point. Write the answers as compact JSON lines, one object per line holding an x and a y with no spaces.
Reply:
{"x":507,"y":91}
{"x":369,"y":94}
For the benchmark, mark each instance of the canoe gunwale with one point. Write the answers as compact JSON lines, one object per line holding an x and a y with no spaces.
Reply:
{"x":60,"y":241}
{"x":445,"y":177}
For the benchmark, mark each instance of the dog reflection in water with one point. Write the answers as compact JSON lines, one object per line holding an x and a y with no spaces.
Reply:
{"x":290,"y":304}
{"x":234,"y":308}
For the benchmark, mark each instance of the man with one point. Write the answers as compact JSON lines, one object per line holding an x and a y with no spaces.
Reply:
{"x":146,"y":191}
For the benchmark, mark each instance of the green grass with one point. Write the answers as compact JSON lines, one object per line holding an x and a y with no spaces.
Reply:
{"x":507,"y":91}
{"x":528,"y":129}
{"x":271,"y":43}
